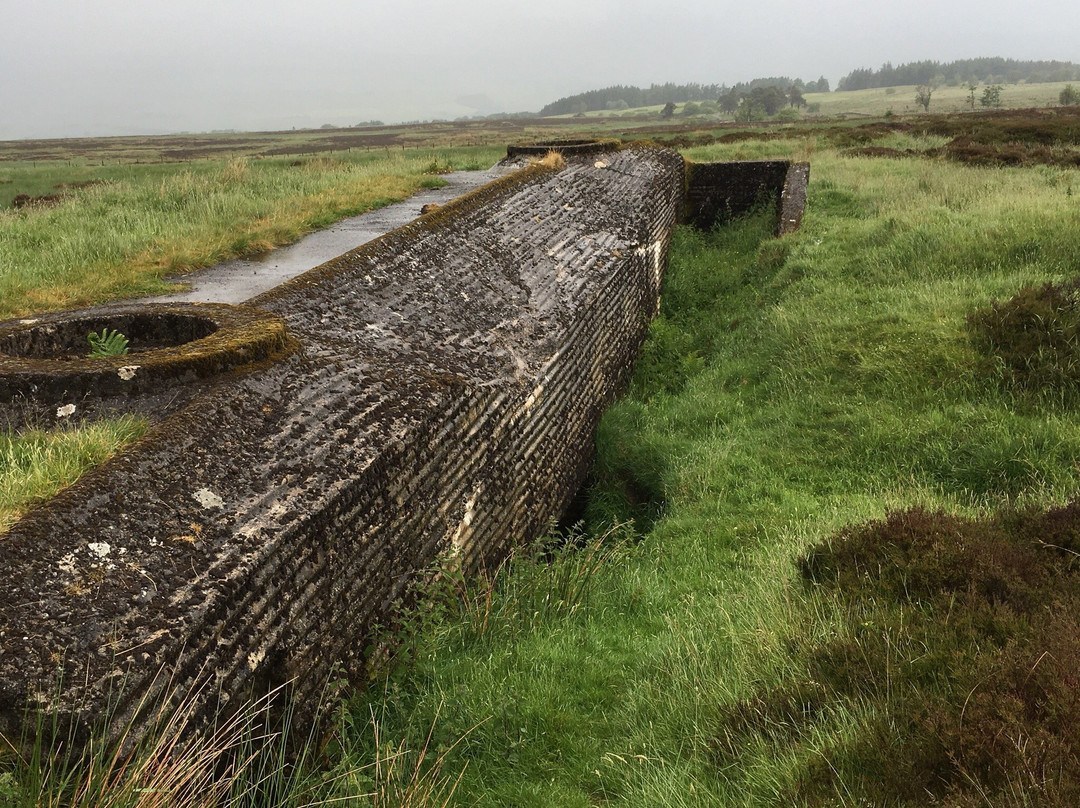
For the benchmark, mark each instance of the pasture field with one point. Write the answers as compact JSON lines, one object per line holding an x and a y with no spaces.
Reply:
{"x":134,"y":224}
{"x":945,"y":100}
{"x":828,"y":552}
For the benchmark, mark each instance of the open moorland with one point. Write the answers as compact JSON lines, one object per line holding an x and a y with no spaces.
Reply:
{"x":827,"y":555}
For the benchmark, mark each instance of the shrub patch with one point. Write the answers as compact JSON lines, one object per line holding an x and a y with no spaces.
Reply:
{"x":963,"y":634}
{"x":1035,"y":335}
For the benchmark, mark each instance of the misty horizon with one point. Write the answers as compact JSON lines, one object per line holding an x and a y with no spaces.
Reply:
{"x":121,"y":68}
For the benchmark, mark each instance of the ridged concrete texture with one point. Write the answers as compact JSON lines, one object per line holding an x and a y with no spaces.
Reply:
{"x":440,"y":407}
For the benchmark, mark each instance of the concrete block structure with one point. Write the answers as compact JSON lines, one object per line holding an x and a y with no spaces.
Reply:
{"x":427,"y":399}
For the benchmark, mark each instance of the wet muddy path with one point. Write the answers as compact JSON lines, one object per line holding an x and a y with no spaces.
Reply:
{"x":243,"y":278}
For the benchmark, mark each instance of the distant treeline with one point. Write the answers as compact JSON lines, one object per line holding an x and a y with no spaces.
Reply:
{"x":977,"y":71}
{"x":624,"y":97}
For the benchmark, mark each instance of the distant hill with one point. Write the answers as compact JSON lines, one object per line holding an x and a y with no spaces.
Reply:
{"x":991,"y":70}
{"x":621,"y":97}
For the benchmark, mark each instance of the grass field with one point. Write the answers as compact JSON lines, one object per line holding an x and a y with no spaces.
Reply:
{"x":728,"y":628}
{"x":945,"y":100}
{"x":119,"y":237}
{"x":790,"y":388}
{"x":124,"y":212}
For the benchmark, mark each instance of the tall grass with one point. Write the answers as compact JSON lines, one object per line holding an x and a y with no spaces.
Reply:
{"x":788,"y":389}
{"x":120,"y":238}
{"x":250,"y":757}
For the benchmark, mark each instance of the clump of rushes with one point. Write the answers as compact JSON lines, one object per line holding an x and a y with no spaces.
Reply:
{"x":107,"y":343}
{"x":553,"y":159}
{"x":437,"y":167}
{"x":239,"y":762}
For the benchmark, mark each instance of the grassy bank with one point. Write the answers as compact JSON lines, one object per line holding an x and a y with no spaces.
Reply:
{"x":117,"y":238}
{"x":34,"y":465}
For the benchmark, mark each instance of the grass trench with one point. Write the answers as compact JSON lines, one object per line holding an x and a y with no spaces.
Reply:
{"x":816,"y":425}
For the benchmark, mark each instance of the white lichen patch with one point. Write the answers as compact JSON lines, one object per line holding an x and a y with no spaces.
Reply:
{"x":127,"y":372}
{"x":255,"y":658}
{"x":67,"y":564}
{"x":208,"y":499}
{"x":457,"y":541}
{"x":600,"y":164}
{"x":31,"y":321}
{"x":101,"y":549}
{"x":65,"y":411}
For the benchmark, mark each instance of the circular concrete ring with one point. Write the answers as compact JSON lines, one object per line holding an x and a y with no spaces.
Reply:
{"x":567,"y":148}
{"x":47,"y":357}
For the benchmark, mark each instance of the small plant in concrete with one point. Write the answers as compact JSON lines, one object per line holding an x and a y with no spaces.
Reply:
{"x":107,"y":343}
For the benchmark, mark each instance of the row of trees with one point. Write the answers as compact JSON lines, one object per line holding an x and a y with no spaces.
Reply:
{"x":991,"y":95}
{"x":991,"y":70}
{"x":761,"y":92}
{"x":620,"y":97}
{"x":755,"y":105}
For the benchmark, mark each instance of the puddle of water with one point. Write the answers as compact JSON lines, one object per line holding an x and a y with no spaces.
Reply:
{"x":244,"y":278}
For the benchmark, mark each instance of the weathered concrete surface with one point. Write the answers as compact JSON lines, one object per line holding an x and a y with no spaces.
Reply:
{"x":441,"y":407}
{"x":716,"y":193}
{"x":44,"y":359}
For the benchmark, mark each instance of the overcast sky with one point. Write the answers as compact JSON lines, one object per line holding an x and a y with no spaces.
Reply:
{"x":98,"y":67}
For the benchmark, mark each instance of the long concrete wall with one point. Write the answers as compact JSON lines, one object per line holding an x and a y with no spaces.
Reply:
{"x":440,"y":407}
